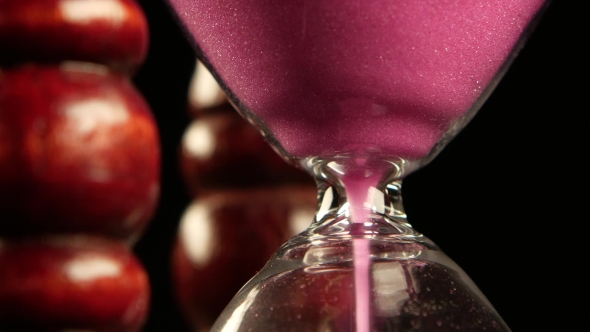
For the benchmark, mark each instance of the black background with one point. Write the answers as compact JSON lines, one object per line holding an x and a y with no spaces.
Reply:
{"x":506,"y":199}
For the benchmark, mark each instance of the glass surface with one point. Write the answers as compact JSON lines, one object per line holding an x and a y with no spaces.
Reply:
{"x":360,"y":94}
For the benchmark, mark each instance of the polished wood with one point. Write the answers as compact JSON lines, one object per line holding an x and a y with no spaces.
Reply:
{"x":225,"y":238}
{"x":58,"y":283}
{"x":114,"y":33}
{"x":223,"y":151}
{"x":79,"y":152}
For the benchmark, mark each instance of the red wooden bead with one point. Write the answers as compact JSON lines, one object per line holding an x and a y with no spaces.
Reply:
{"x":224,"y":151}
{"x":113,"y":32}
{"x":79,"y":152}
{"x":71,"y":283}
{"x":225,"y":238}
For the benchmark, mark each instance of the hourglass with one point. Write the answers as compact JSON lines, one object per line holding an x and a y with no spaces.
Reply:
{"x":359,"y":94}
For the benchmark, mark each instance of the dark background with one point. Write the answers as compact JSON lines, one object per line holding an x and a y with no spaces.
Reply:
{"x":506,"y":199}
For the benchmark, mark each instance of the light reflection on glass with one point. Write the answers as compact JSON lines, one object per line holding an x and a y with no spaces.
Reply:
{"x":375,"y":200}
{"x":237,"y":316}
{"x":390,"y":287}
{"x":325,"y":205}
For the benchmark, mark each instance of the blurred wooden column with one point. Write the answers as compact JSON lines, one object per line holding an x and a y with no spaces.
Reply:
{"x":79,"y":165}
{"x":247,"y":202}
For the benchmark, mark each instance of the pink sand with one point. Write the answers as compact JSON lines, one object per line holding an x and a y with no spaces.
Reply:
{"x":346,"y":74}
{"x":362,"y":283}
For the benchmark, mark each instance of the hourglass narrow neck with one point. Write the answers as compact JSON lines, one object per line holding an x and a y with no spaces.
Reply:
{"x":359,"y":197}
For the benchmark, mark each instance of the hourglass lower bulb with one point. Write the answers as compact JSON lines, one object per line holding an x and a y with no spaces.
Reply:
{"x":359,"y":94}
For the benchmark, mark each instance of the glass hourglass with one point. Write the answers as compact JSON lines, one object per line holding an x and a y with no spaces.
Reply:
{"x":359,"y":94}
